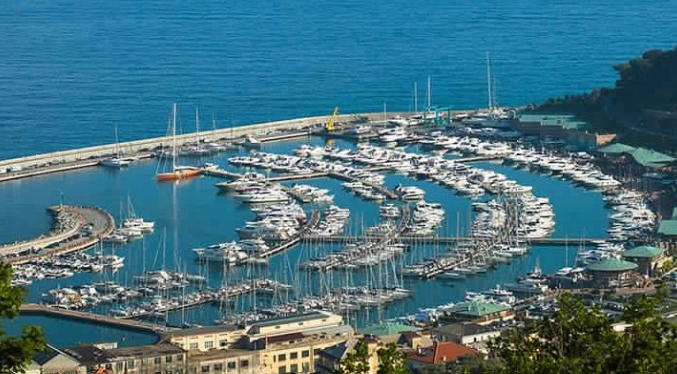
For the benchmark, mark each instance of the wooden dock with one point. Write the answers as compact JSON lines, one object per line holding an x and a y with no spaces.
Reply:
{"x":98,"y":319}
{"x":409,"y":239}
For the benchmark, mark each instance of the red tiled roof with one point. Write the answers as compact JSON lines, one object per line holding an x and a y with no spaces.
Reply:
{"x":440,"y":353}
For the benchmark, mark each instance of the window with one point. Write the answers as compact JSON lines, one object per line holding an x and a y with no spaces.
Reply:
{"x":158,"y":360}
{"x":119,"y":366}
{"x":294,"y":368}
{"x":293,"y":355}
{"x":192,"y":346}
{"x":109,"y":366}
{"x":282,"y":369}
{"x":305,"y":367}
{"x":168,"y":372}
{"x":168,"y":359}
{"x":130,"y":364}
{"x":282,"y":357}
{"x":305,"y":354}
{"x":179,"y":358}
{"x":244,"y":364}
{"x":232,"y":366}
{"x":205,"y":368}
{"x":223,"y":343}
{"x":218,"y":367}
{"x":209,"y":345}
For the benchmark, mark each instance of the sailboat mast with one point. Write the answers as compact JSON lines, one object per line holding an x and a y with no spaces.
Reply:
{"x":429,"y":93}
{"x":491,"y":104}
{"x":415,"y":98}
{"x":174,"y":138}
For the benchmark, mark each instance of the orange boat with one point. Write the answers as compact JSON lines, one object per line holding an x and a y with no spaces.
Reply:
{"x":180,"y":172}
{"x":177,"y":172}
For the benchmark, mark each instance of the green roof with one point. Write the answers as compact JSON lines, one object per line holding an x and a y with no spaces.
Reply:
{"x":616,"y":148}
{"x":650,"y":158}
{"x":387,"y":328}
{"x":668,"y":227}
{"x":567,"y":121}
{"x":643,"y":251}
{"x":477,"y":309}
{"x":612,"y":264}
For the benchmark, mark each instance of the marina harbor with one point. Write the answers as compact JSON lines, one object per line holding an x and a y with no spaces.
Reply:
{"x":316,"y":219}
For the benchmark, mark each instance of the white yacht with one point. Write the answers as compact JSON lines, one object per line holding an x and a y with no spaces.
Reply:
{"x":229,"y":253}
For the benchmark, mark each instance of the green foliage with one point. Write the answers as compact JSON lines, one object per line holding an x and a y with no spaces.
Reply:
{"x":15,"y":353}
{"x":392,"y":360}
{"x":357,"y":361}
{"x":578,"y":339}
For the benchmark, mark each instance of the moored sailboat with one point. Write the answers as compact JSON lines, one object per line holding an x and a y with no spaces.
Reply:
{"x":177,"y":172}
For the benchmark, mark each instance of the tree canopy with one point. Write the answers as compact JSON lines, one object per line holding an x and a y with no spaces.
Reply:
{"x":579,"y":339}
{"x":15,"y":352}
{"x":356,"y":361}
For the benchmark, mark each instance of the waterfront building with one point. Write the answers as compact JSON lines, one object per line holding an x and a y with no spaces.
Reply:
{"x":329,"y":359}
{"x":388,"y":331}
{"x":144,"y":359}
{"x":205,"y":339}
{"x":440,"y":353}
{"x":647,"y":258}
{"x":612,"y":272}
{"x":231,"y":361}
{"x":55,"y":361}
{"x":561,"y":127}
{"x":479,"y":312}
{"x":469,"y":334}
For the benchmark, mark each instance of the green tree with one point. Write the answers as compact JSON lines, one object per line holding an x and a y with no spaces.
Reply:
{"x":15,"y":352}
{"x":578,"y":339}
{"x":357,"y":361}
{"x":392,"y":360}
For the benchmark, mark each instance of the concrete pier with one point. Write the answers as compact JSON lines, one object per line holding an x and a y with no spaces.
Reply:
{"x":98,"y":319}
{"x":67,"y":236}
{"x":54,"y":162}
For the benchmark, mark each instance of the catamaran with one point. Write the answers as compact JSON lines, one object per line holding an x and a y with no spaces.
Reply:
{"x":177,"y":172}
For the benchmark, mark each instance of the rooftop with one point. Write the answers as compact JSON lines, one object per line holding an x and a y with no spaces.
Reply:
{"x":612,"y":265}
{"x":203,"y":330}
{"x":145,"y":350}
{"x":462,"y":329}
{"x":650,"y":158}
{"x":293,"y":319}
{"x":387,"y":328}
{"x":477,"y":309}
{"x":567,"y":121}
{"x":88,"y":354}
{"x":643,"y":251}
{"x":616,"y":148}
{"x":440,"y":353}
{"x":668,"y":227}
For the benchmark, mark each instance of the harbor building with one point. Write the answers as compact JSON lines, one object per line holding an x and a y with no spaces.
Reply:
{"x":205,"y":339}
{"x":561,"y":127}
{"x":479,"y":313}
{"x":231,"y":361}
{"x":144,"y":359}
{"x":439,"y":354}
{"x":329,"y":359}
{"x":648,"y":258}
{"x":55,"y":361}
{"x":612,"y":272}
{"x":469,"y":334}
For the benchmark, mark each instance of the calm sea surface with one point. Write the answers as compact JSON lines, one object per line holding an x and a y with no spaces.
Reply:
{"x":71,"y":72}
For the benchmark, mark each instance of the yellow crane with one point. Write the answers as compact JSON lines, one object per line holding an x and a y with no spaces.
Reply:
{"x":331,"y":124}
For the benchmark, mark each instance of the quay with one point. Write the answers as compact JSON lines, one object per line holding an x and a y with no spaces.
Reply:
{"x":409,"y":239}
{"x":84,"y":227}
{"x":54,"y":162}
{"x":37,"y":309}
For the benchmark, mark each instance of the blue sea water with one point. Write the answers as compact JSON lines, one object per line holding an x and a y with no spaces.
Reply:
{"x":71,"y":71}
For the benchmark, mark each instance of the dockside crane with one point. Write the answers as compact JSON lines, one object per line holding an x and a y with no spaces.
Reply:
{"x":331,"y":124}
